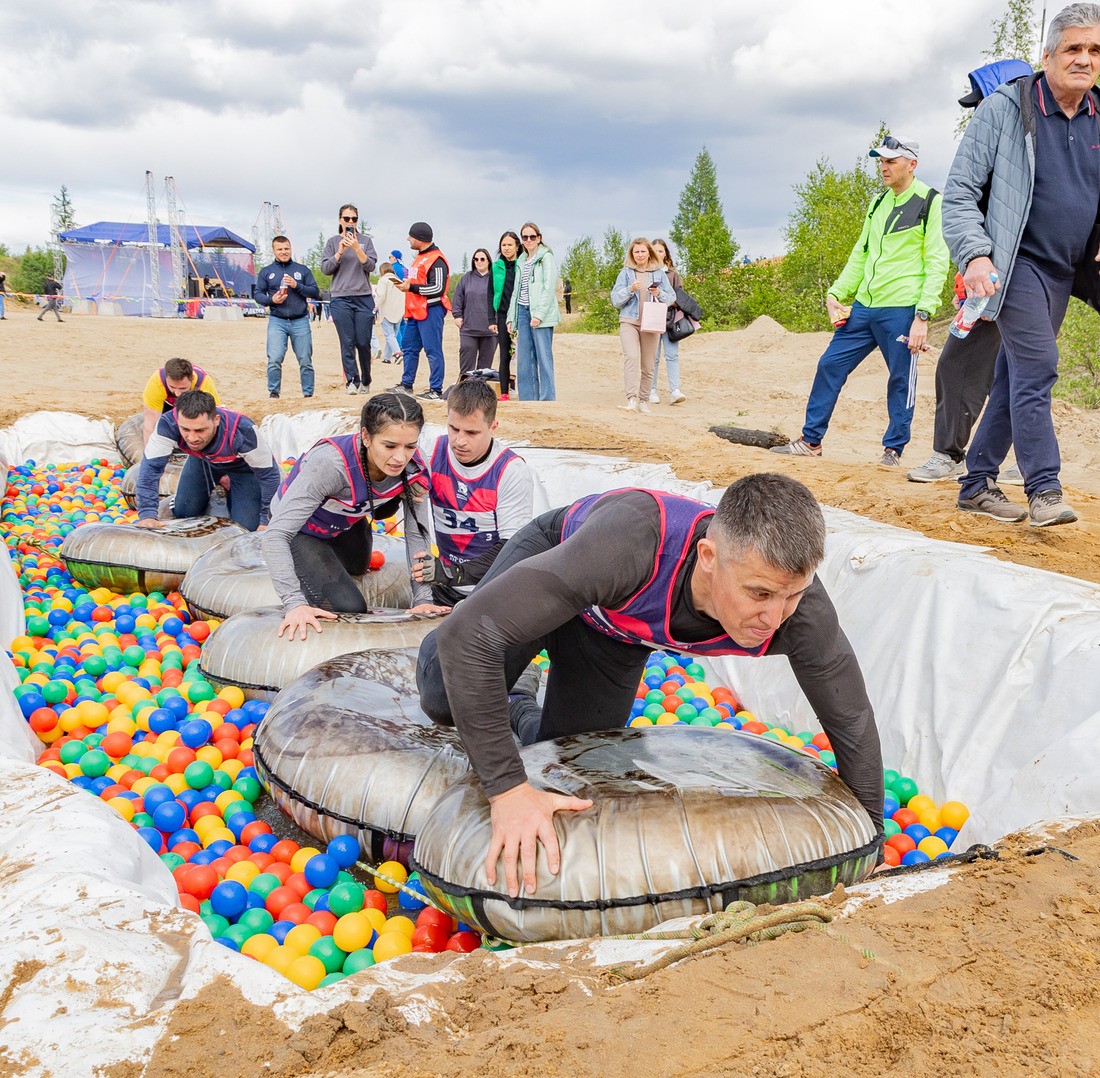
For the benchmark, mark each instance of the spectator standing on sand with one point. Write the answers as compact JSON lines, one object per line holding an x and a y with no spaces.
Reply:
{"x":284,"y":288}
{"x":641,"y":277}
{"x":895,"y":272}
{"x":399,"y":269}
{"x":475,"y":315}
{"x":567,"y":294}
{"x":964,"y":371}
{"x":671,"y":347}
{"x":426,"y":306}
{"x":504,"y":283}
{"x":390,"y":301}
{"x":1033,"y":145}
{"x":52,"y":290}
{"x":533,"y":314}
{"x":3,"y":294}
{"x":349,"y":259}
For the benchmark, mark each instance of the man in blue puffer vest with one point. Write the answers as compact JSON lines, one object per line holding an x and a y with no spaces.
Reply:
{"x":1020,"y":202}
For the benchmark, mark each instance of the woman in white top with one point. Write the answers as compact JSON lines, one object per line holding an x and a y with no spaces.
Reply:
{"x":390,"y":301}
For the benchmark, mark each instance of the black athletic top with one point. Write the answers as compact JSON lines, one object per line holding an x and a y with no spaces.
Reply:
{"x":608,"y":558}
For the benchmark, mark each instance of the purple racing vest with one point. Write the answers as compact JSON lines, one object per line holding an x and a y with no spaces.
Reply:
{"x":464,"y":511}
{"x":334,"y":516}
{"x":644,"y":617}
{"x":222,"y":449}
{"x":169,"y":397}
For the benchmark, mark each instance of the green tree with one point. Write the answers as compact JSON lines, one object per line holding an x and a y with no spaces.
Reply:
{"x":61,"y":211}
{"x":699,"y":228}
{"x":33,"y":267}
{"x":313,"y":260}
{"x":823,"y":227}
{"x":592,"y":271}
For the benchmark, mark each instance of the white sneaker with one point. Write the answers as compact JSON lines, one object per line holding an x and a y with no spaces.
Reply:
{"x":351,"y":388}
{"x":631,"y":405}
{"x":677,"y":397}
{"x":937,"y":467}
{"x":643,"y":407}
{"x":654,"y":396}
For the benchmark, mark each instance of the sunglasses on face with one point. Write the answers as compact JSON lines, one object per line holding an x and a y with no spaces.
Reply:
{"x":351,"y":219}
{"x":481,"y":258}
{"x":527,"y":239}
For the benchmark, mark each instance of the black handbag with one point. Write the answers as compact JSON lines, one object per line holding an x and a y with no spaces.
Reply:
{"x":679,"y":328}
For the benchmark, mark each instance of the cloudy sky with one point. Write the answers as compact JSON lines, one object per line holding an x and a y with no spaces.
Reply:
{"x":474,"y":115}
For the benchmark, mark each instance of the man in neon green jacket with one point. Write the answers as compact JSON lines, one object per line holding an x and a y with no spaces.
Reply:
{"x":895,"y":273}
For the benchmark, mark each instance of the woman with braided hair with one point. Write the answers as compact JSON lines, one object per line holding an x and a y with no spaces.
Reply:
{"x":320,"y":535}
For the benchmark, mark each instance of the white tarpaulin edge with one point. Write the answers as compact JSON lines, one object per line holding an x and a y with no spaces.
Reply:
{"x":984,"y":677}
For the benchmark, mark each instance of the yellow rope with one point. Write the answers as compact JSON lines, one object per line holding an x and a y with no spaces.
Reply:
{"x":738,"y":921}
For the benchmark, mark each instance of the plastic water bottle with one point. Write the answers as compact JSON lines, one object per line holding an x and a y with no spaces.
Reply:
{"x":969,"y":313}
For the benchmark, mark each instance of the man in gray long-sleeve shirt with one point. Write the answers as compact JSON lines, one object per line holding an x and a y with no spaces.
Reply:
{"x":602,"y":583}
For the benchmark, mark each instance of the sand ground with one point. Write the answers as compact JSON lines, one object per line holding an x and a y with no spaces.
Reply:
{"x":992,"y":975}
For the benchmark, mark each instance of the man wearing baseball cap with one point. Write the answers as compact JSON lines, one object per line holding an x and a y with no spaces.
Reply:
{"x":426,"y":306}
{"x":400,"y":270}
{"x":895,"y":273}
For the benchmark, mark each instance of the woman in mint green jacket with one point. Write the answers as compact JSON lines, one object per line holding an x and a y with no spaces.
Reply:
{"x":533,"y":314}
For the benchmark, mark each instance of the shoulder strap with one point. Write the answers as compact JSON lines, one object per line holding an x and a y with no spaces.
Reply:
{"x":926,"y":207}
{"x":871,"y":213}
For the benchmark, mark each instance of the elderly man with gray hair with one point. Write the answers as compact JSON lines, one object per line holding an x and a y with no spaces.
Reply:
{"x":1019,"y":208}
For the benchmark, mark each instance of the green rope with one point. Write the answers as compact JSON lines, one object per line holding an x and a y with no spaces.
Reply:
{"x":738,"y":921}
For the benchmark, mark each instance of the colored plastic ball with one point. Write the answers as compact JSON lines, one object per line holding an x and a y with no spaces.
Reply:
{"x":346,"y":898}
{"x":344,"y":849}
{"x":229,"y":899}
{"x":915,"y":857}
{"x":358,"y":960}
{"x":307,"y":972}
{"x":321,"y":871}
{"x":391,"y":945}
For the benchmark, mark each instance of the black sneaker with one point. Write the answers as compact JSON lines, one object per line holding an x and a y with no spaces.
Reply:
{"x":399,"y":388}
{"x":991,"y":502}
{"x":430,"y":395}
{"x":273,"y":395}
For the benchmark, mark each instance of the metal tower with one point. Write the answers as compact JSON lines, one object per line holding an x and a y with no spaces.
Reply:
{"x":157,"y":308}
{"x":175,"y":236}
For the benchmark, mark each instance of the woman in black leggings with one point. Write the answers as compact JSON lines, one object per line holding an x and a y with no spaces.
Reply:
{"x":504,"y":283}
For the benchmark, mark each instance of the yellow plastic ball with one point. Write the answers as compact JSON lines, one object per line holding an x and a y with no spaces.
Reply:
{"x":399,"y":923}
{"x":279,"y":958}
{"x":395,"y":871}
{"x":306,"y":972}
{"x":391,"y":945}
{"x":217,"y":834}
{"x":123,"y":806}
{"x":210,"y":755}
{"x":932,"y":846}
{"x":176,"y":783}
{"x":929,"y":817}
{"x":232,"y":696}
{"x":641,"y":720}
{"x":301,"y":937}
{"x":953,"y":814}
{"x":352,"y":931}
{"x":243,"y":872}
{"x":920,"y":802}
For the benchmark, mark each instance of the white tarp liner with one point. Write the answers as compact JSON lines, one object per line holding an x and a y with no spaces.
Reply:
{"x":58,"y":438}
{"x":985,"y":678}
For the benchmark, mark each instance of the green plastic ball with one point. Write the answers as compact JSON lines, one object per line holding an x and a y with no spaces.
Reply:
{"x":345,"y":898}
{"x":326,"y":950}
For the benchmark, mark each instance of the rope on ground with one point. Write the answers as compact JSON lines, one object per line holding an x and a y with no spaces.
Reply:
{"x":738,"y":921}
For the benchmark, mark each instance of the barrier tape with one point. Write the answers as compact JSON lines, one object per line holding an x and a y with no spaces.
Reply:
{"x":61,"y":298}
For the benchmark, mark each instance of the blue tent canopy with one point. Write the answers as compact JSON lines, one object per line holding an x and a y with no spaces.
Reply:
{"x":118,"y":232}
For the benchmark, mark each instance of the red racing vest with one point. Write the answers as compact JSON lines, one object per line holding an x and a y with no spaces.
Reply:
{"x":416,"y":306}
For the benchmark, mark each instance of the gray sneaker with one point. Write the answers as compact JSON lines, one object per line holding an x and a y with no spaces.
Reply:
{"x":890,"y":459}
{"x":991,"y":502}
{"x":798,"y":448}
{"x":937,"y":467}
{"x":1047,"y":507}
{"x":1011,"y":477}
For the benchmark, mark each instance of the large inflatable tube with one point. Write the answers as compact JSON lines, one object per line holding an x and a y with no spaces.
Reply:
{"x":128,"y":558}
{"x":130,"y":439}
{"x":345,"y":749}
{"x":684,"y":821}
{"x":169,"y":480}
{"x":246,"y":650}
{"x":233,"y":578}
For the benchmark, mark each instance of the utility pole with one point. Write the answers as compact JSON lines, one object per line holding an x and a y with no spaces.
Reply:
{"x":157,"y":309}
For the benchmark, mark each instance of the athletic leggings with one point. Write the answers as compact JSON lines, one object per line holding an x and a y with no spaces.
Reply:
{"x":325,"y":568}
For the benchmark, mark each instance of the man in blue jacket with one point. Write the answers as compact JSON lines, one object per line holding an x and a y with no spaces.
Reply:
{"x":223,"y":448}
{"x":284,"y":287}
{"x":1020,"y":202}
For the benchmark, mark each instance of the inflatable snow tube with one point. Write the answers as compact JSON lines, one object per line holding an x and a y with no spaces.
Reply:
{"x":169,"y":480}
{"x":127,"y":558}
{"x":345,"y":749}
{"x":246,"y":651}
{"x":233,"y":578}
{"x":130,"y":439}
{"x":684,"y":821}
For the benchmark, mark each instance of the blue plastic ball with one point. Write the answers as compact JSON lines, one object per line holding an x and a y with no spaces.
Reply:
{"x":407,"y":901}
{"x":915,"y":857}
{"x":279,"y":929}
{"x":230,"y":899}
{"x":169,"y":816}
{"x":344,"y":850}
{"x":195,"y":733}
{"x":948,"y":834}
{"x":262,"y":843}
{"x":153,"y":837}
{"x":321,"y":870}
{"x":184,"y":834}
{"x":917,"y":832}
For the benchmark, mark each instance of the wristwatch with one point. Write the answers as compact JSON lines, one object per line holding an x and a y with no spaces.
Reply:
{"x":923,"y":315}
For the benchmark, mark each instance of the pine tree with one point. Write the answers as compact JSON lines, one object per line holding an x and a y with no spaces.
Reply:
{"x":699,"y":228}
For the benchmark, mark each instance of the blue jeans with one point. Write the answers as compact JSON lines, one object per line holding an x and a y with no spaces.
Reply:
{"x":3,"y":310}
{"x":296,"y":330}
{"x":389,"y":332}
{"x":197,"y":481}
{"x":426,"y":334}
{"x":353,"y":317}
{"x":1018,"y":409}
{"x":867,"y":328}
{"x":534,"y":358}
{"x":672,"y":363}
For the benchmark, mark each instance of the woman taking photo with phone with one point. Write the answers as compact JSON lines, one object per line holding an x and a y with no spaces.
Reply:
{"x":641,"y":277}
{"x":504,"y":283}
{"x":349,"y":259}
{"x":533,"y":314}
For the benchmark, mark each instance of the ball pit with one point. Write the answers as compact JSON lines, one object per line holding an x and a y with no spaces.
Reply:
{"x":112,"y":686}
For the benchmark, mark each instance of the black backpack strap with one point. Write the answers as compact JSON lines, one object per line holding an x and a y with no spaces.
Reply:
{"x":871,"y":213}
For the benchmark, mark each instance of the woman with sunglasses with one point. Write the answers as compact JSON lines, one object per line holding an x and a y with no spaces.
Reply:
{"x":476,"y":317}
{"x":504,"y":284}
{"x":533,"y":314}
{"x":349,"y":258}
